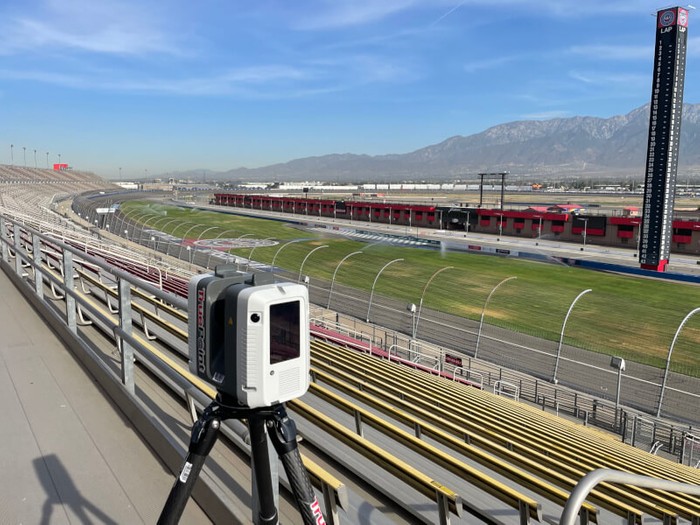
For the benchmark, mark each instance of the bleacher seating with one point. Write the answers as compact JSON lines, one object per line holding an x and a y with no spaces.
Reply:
{"x":557,"y":450}
{"x":27,"y":193}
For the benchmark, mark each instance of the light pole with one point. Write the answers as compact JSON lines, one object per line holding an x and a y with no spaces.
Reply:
{"x":205,"y":231}
{"x":585,"y":231}
{"x":136,"y":221}
{"x":124,"y":215}
{"x":335,"y":272}
{"x":307,"y":256}
{"x":244,"y":236}
{"x":420,"y":304}
{"x":272,"y":264}
{"x":184,"y":239}
{"x":371,"y":295}
{"x":466,"y":226}
{"x":35,"y":159}
{"x":215,"y":239}
{"x":250,"y":255}
{"x":561,"y":338}
{"x":668,"y":358}
{"x":163,"y":218}
{"x":155,"y":216}
{"x":12,"y":155}
{"x":162,"y":227}
{"x":483,"y":311}
{"x":500,"y":225}
{"x":24,"y":155}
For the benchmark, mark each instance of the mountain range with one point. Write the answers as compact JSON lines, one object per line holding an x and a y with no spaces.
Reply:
{"x":545,"y":149}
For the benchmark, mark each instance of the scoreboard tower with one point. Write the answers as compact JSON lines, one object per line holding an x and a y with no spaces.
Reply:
{"x":664,"y":136}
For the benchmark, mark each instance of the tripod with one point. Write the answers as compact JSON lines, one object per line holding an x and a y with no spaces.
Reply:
{"x":282,"y":432}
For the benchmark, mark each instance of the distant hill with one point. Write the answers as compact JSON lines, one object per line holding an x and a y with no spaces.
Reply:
{"x":576,"y":146}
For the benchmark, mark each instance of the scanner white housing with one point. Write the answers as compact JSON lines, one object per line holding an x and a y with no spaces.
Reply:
{"x":272,"y":332}
{"x":249,"y":336}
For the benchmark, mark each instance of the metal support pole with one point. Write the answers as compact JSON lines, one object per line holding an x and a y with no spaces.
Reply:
{"x":17,"y":245}
{"x":38,"y":274}
{"x":3,"y":235}
{"x":371,"y":295}
{"x":561,"y":338}
{"x":68,"y":287}
{"x":301,"y":268}
{"x":483,"y":311}
{"x":330,"y":292}
{"x":420,"y":304}
{"x":503,"y":189}
{"x":481,"y":189}
{"x":668,"y":359}
{"x":127,"y":351}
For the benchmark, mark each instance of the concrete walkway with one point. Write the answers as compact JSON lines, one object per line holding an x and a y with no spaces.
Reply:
{"x":67,"y":455}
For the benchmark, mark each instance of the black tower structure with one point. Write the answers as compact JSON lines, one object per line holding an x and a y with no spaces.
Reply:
{"x":664,"y":137}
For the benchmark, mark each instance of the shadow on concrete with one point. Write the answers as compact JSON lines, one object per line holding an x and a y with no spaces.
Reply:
{"x":61,"y":491}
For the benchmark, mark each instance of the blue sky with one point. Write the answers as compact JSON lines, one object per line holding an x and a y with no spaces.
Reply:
{"x":157,"y":86}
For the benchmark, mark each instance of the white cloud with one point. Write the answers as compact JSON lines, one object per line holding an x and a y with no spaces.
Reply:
{"x":105,"y":26}
{"x":272,"y":81}
{"x":490,"y":63}
{"x":343,"y":13}
{"x":607,"y":78}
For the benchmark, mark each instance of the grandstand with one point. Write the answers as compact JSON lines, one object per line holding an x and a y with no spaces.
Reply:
{"x":386,"y":441}
{"x":30,"y":191}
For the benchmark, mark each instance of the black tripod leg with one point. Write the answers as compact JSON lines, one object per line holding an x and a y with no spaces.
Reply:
{"x":204,"y":434}
{"x":283,"y":433}
{"x":261,"y":463}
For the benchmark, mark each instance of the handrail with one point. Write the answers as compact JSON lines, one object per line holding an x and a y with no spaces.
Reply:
{"x":590,"y":480}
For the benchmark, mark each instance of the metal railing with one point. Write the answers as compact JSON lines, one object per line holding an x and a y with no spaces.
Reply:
{"x":592,"y":479}
{"x":37,"y":259}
